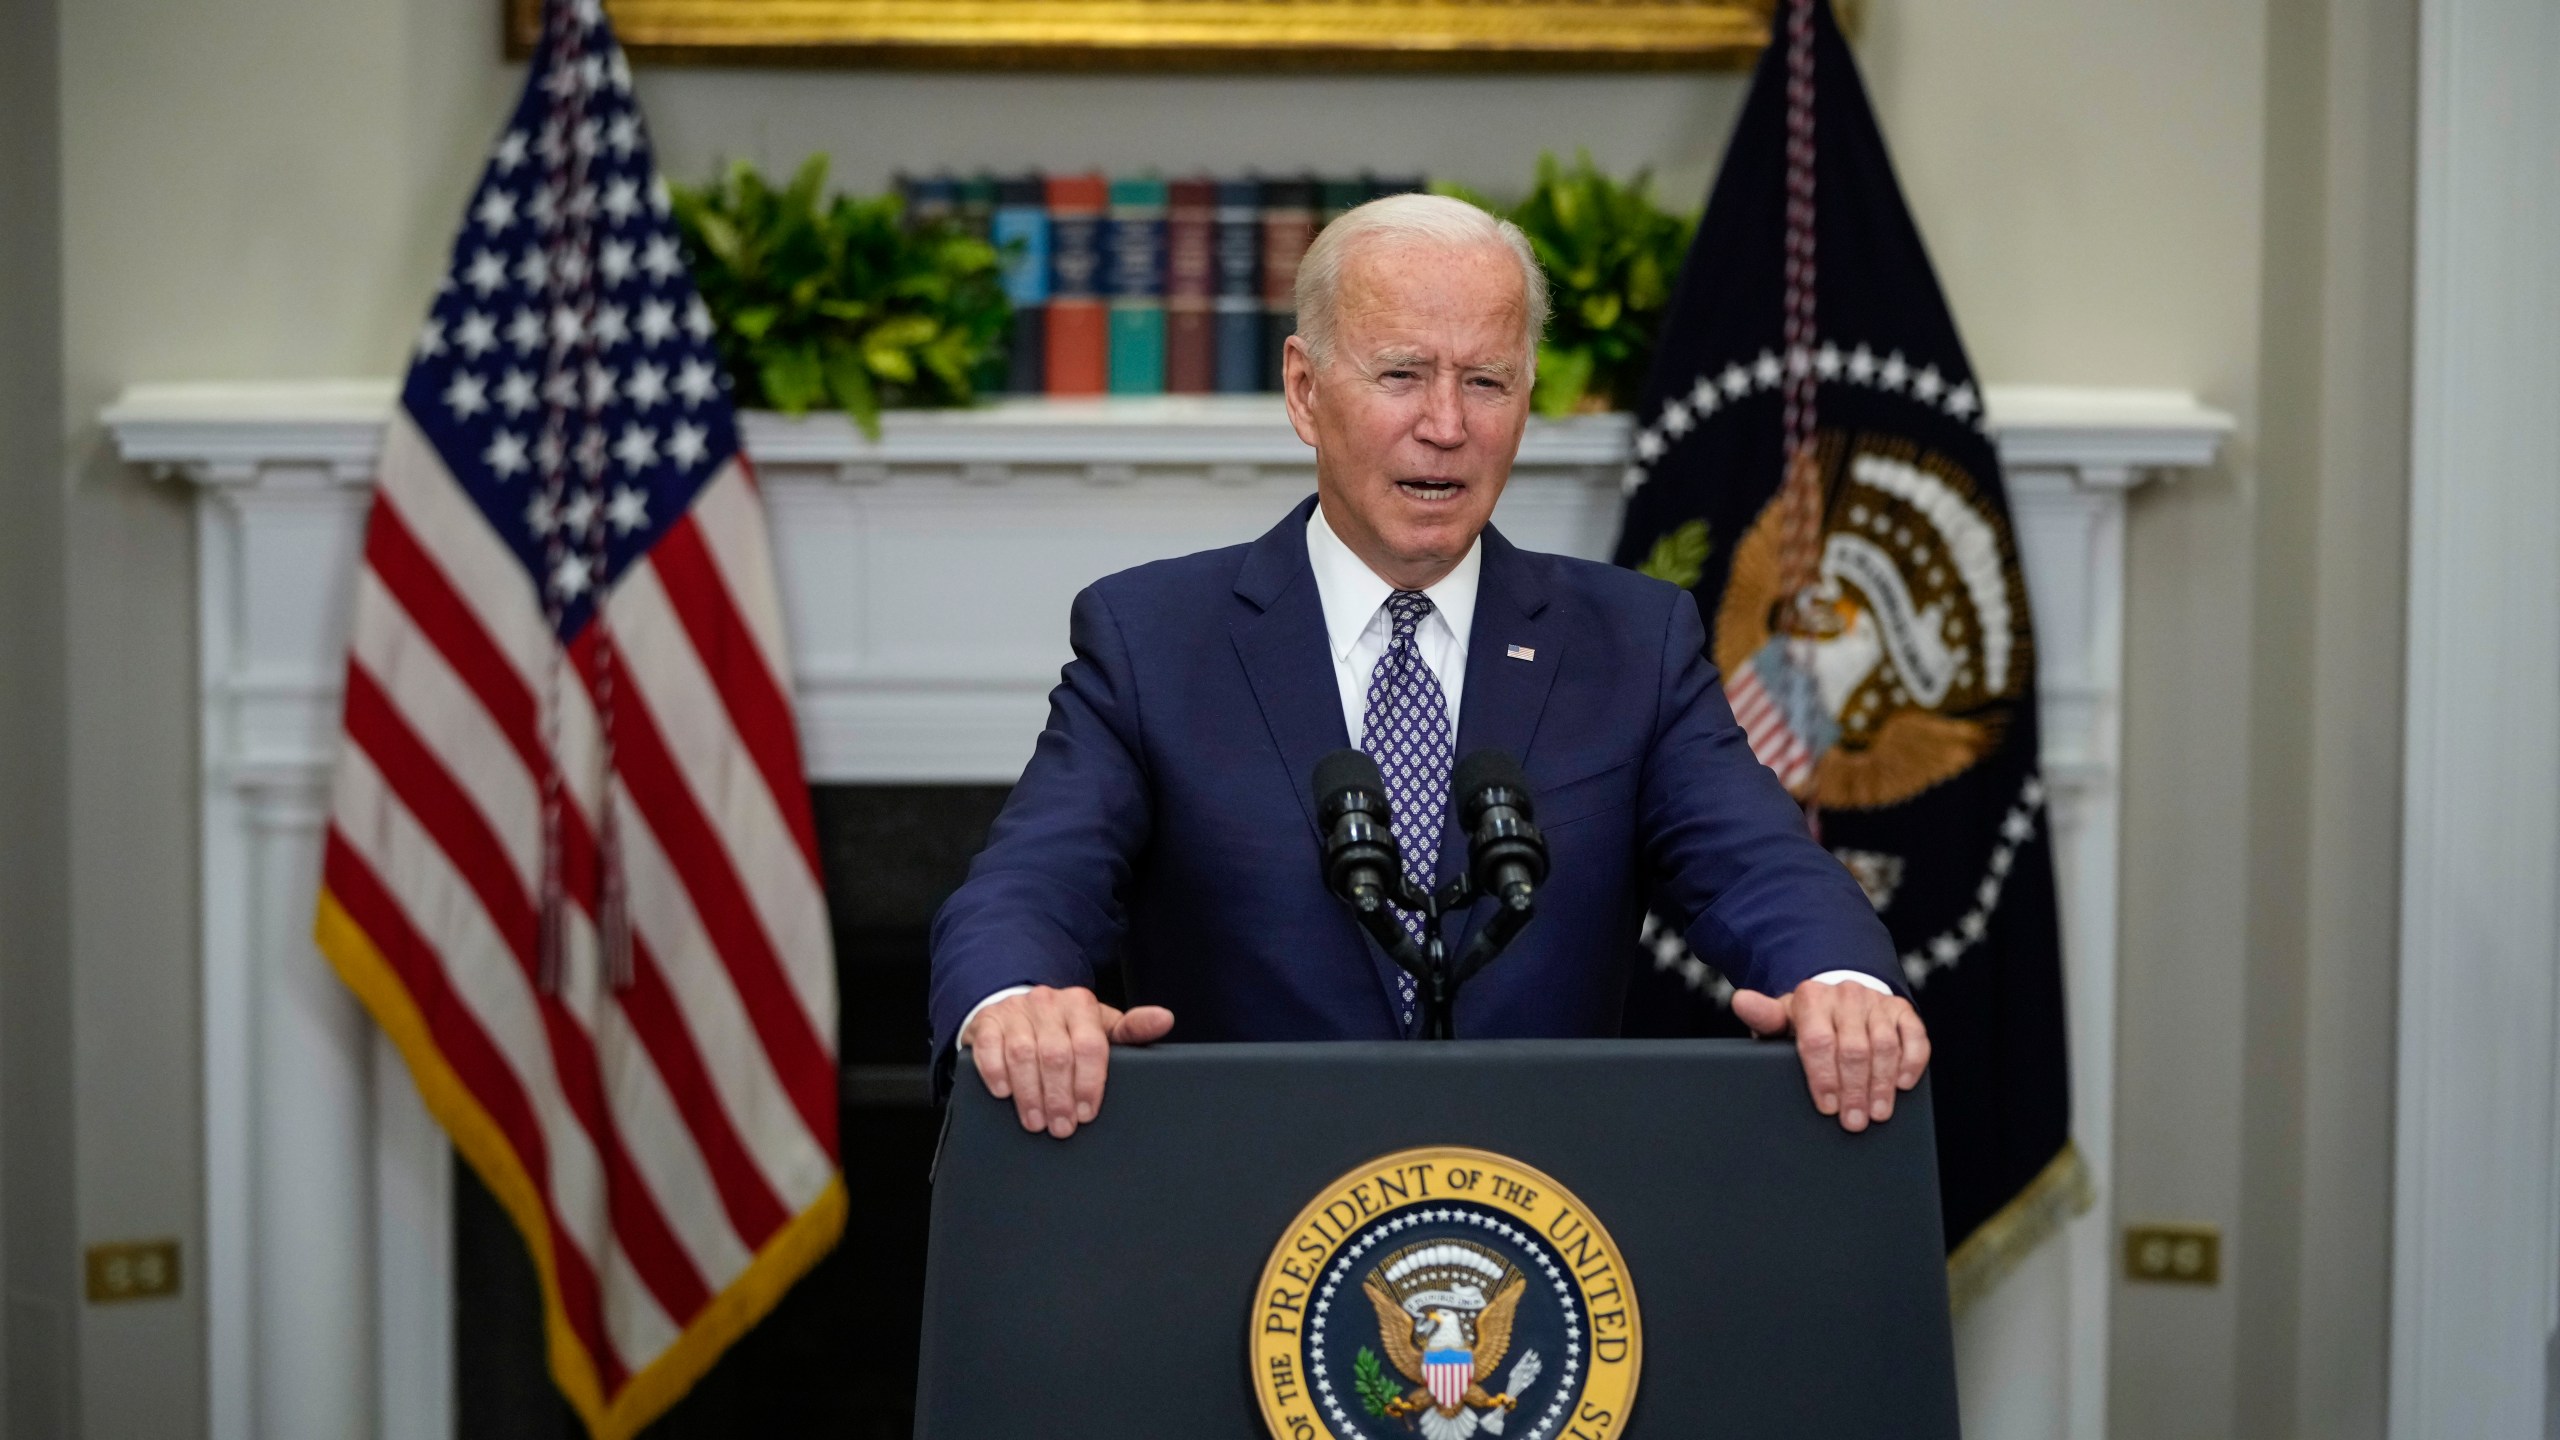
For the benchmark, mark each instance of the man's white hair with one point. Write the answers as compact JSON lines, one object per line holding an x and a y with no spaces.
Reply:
{"x":1436,"y":220}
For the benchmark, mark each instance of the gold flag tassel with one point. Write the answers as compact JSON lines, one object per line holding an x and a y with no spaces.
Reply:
{"x":2059,"y":1193}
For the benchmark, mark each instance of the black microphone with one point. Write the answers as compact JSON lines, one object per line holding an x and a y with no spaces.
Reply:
{"x":1506,"y":855}
{"x":1362,"y":866}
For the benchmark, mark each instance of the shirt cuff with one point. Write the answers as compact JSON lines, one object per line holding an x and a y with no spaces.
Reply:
{"x":1827,"y":977}
{"x":1008,"y":992}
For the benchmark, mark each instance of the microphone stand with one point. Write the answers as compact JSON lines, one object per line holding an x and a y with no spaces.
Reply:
{"x":1436,"y":981}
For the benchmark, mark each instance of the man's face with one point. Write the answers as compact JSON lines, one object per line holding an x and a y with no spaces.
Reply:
{"x":1416,"y":419}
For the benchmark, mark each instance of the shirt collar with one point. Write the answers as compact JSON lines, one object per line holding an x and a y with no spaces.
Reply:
{"x":1352,"y":592}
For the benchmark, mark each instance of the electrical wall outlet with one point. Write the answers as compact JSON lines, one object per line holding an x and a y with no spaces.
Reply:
{"x":132,"y":1270}
{"x":2173,"y":1254}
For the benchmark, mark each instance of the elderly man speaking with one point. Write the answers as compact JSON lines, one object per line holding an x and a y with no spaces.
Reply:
{"x":1165,"y":818}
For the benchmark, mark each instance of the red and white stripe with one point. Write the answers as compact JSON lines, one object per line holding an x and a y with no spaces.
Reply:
{"x":1448,"y":1379}
{"x":1773,"y":740}
{"x":676,"y":1125}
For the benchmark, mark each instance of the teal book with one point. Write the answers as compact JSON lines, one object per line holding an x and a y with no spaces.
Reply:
{"x":1134,"y":266}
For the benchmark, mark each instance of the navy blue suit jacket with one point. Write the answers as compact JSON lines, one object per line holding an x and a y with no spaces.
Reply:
{"x":1165,"y":818}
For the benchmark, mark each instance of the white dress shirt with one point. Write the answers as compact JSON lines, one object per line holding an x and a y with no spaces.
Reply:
{"x":1357,"y":627}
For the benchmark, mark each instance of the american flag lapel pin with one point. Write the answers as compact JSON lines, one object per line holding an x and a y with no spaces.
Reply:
{"x":1520,"y":652}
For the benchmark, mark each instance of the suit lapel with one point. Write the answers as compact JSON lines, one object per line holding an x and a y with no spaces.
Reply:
{"x":1505,"y":695}
{"x":1285,"y":656}
{"x":1289,"y":663}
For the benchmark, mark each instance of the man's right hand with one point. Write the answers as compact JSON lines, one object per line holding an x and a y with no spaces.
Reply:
{"x":1047,"y":1050}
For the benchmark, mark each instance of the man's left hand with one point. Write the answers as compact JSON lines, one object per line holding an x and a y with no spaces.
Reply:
{"x":1859,"y":1046}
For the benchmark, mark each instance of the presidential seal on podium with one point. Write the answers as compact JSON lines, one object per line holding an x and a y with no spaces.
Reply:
{"x":1444,"y":1292}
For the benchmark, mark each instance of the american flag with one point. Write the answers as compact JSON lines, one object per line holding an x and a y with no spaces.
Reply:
{"x":570,"y":865}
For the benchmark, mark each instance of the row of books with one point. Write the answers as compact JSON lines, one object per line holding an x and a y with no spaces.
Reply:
{"x":1145,"y":286}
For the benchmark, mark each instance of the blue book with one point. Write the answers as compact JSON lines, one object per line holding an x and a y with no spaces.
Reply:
{"x":1020,"y":230}
{"x":1136,"y":271}
{"x":1239,"y":302}
{"x":929,"y":198}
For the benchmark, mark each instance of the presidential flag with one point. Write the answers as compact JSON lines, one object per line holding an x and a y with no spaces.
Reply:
{"x":1811,"y":461}
{"x":570,"y":865}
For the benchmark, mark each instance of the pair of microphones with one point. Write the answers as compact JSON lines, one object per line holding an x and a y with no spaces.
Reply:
{"x":1364,"y":868}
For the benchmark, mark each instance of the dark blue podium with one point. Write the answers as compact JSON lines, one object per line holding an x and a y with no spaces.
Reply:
{"x":1790,"y":1276}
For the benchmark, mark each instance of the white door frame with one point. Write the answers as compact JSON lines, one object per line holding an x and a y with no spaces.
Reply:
{"x":2476,"y":1219}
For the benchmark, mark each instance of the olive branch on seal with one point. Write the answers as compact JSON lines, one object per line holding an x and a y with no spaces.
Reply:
{"x":1680,"y":556}
{"x":1370,"y":1379}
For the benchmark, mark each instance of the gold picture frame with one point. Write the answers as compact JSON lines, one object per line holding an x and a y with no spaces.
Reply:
{"x":1185,"y":34}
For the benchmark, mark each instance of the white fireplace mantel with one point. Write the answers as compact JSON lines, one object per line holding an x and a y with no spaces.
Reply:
{"x":926,"y":578}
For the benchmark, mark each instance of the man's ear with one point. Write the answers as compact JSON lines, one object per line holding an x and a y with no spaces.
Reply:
{"x":1298,"y":387}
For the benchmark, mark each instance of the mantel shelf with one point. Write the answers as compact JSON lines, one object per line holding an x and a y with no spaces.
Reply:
{"x":237,"y":433}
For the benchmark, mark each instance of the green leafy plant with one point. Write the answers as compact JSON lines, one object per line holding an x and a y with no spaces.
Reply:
{"x":1370,"y":1379}
{"x":1611,"y":255}
{"x":840,"y":302}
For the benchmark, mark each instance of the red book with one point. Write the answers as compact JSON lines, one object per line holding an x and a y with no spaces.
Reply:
{"x":1191,"y":288}
{"x":1079,"y":316}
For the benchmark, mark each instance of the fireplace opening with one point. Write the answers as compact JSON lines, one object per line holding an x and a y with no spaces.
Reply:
{"x":838,"y":1355}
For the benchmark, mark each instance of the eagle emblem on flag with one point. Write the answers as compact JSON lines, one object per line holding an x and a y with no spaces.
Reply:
{"x":1898,"y":657}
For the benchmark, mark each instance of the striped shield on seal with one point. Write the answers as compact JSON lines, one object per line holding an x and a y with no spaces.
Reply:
{"x":1448,"y":1373}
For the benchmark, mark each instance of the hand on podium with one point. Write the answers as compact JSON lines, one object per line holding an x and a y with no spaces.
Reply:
{"x":1047,"y":1050}
{"x":1859,"y":1046}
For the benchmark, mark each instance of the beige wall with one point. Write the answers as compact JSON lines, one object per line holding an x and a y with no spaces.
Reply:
{"x":2115,"y":194}
{"x":250,"y":188}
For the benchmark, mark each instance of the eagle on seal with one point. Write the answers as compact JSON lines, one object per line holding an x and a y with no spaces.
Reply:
{"x":1444,"y":1332}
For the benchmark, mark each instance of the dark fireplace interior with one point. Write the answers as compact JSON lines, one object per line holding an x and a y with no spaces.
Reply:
{"x":838,"y":1356}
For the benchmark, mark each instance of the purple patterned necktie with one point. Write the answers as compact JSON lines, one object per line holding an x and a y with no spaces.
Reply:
{"x":1406,"y":730}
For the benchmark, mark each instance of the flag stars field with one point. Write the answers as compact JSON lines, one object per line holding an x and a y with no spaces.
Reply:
{"x":628,"y":511}
{"x":505,"y":455}
{"x":646,"y":386}
{"x":697,"y":382}
{"x":467,"y":395}
{"x":638,"y":447}
{"x":477,"y":335}
{"x":657,"y":323}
